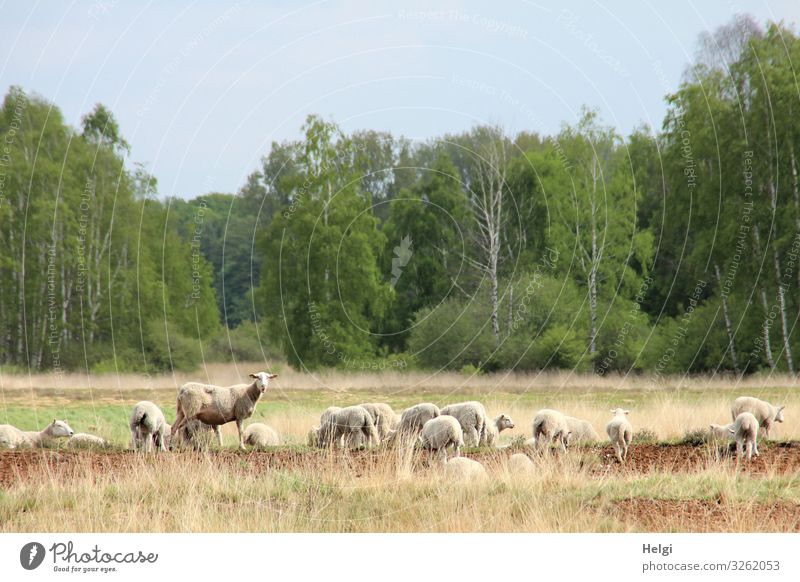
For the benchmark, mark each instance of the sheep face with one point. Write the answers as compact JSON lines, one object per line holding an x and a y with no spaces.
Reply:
{"x":779,"y":414}
{"x":503,"y":422}
{"x":262,"y":379}
{"x":718,"y":431}
{"x":60,"y":428}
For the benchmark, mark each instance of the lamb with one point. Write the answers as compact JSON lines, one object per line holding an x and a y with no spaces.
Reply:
{"x":744,"y":430}
{"x":464,"y":469}
{"x":260,"y":435}
{"x":442,"y":433}
{"x":551,"y":425}
{"x":85,"y":440}
{"x":383,"y":417}
{"x":148,"y":427}
{"x":473,"y":419}
{"x":582,"y":430}
{"x":492,"y":430}
{"x":620,"y":433}
{"x":352,"y":425}
{"x":11,"y":437}
{"x":764,"y":412}
{"x":218,"y":405}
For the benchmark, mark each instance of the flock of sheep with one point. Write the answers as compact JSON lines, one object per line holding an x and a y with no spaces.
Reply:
{"x":202,"y":408}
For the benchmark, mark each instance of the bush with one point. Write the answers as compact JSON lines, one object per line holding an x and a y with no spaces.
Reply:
{"x":645,"y":435}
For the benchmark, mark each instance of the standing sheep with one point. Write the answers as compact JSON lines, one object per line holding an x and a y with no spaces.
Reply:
{"x":744,"y":430}
{"x":218,"y":405}
{"x":491,"y":434}
{"x":764,"y":412}
{"x":412,"y":420}
{"x":620,"y":433}
{"x":352,"y":425}
{"x":582,"y":430}
{"x":11,"y":437}
{"x":442,"y":433}
{"x":473,"y":419}
{"x":383,"y":417}
{"x":260,"y":435}
{"x":148,"y":426}
{"x":551,"y":425}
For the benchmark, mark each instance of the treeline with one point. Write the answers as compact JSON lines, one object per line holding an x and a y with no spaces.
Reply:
{"x":664,"y":252}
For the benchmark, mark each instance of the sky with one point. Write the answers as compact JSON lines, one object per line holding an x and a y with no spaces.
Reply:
{"x":201,"y":89}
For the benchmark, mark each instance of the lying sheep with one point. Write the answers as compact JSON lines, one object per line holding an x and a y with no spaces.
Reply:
{"x":549,"y":426}
{"x":472,"y":417}
{"x":520,"y":463}
{"x":11,"y":437}
{"x":442,"y":433}
{"x":620,"y":433}
{"x":582,"y":430}
{"x":492,"y":430}
{"x":744,"y":430}
{"x":464,"y":469}
{"x":83,"y":440}
{"x":351,"y":426}
{"x":148,"y":427}
{"x":260,"y":435}
{"x":764,"y":412}
{"x":218,"y":405}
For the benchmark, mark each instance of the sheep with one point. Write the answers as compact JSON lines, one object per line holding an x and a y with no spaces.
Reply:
{"x":11,"y":437}
{"x":492,"y":430}
{"x":148,"y":427}
{"x":384,"y":418}
{"x":218,"y":405}
{"x":412,"y":420}
{"x":582,"y":430}
{"x":472,"y":417}
{"x":744,"y":430}
{"x":196,"y":433}
{"x":84,"y":440}
{"x":442,"y":433}
{"x":764,"y":412}
{"x":520,"y":463}
{"x":260,"y":435}
{"x":620,"y":433}
{"x":551,"y":425}
{"x":351,"y":425}
{"x":464,"y":469}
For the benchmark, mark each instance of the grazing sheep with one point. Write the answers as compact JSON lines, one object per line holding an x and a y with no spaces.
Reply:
{"x":148,"y":427}
{"x":551,"y":425}
{"x":260,"y":435}
{"x":520,"y":463}
{"x":472,"y":417}
{"x":218,"y":405}
{"x":195,"y":433}
{"x":352,"y":426}
{"x":492,"y":430}
{"x":764,"y":412}
{"x":442,"y":433}
{"x":412,"y":420}
{"x":744,"y":430}
{"x":11,"y":437}
{"x":83,"y":440}
{"x":582,"y":430}
{"x":464,"y":469}
{"x":384,"y":418}
{"x":620,"y":433}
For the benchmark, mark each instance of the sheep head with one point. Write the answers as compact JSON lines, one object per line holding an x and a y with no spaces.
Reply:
{"x":620,"y":412}
{"x":262,"y":379}
{"x":779,"y":414}
{"x":60,"y":428}
{"x":503,"y":422}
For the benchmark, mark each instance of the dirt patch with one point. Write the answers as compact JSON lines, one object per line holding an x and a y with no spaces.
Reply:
{"x":705,"y":515}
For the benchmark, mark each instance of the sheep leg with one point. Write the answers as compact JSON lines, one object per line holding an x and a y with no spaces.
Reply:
{"x":133,"y":440}
{"x":471,"y":438}
{"x":239,"y":428}
{"x":738,"y":447}
{"x":148,"y":444}
{"x":218,"y":432}
{"x":617,"y":452}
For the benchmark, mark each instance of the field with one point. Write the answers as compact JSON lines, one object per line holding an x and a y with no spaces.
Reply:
{"x":670,"y":484}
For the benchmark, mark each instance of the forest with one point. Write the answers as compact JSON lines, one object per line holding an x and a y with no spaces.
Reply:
{"x":671,"y":250}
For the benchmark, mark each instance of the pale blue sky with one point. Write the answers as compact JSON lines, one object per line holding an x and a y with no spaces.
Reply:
{"x":202,"y":88}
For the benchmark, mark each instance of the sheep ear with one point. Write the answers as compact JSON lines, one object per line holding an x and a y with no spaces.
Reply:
{"x":627,"y":412}
{"x":253,"y":376}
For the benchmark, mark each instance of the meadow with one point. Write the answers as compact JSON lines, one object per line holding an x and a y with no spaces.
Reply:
{"x":670,"y":485}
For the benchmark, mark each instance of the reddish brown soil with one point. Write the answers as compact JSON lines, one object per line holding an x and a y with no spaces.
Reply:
{"x":17,"y":467}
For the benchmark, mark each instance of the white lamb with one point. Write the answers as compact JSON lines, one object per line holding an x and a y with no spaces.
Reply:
{"x":352,"y":426}
{"x":744,"y":430}
{"x":442,"y":433}
{"x":492,"y":430}
{"x":620,"y":433}
{"x":464,"y":469}
{"x":549,"y":426}
{"x":85,"y":440}
{"x":582,"y":430}
{"x":148,"y":427}
{"x":260,"y":435}
{"x":472,"y":417}
{"x":11,"y":437}
{"x":764,"y":412}
{"x":218,"y":405}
